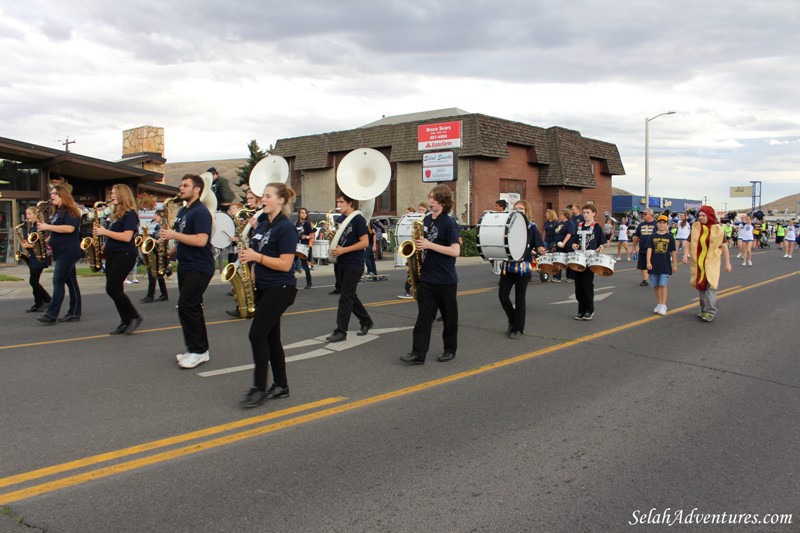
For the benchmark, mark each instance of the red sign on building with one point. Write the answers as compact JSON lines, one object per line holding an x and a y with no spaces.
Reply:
{"x":439,"y":136}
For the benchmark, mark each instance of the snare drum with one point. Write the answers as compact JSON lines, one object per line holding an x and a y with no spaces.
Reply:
{"x":547,"y":264}
{"x":576,"y":261}
{"x":302,"y":251}
{"x":602,"y":265}
{"x":320,"y":249}
{"x":502,"y":235}
{"x":560,"y":260}
{"x":404,"y":232}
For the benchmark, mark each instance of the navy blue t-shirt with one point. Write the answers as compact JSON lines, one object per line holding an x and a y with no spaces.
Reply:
{"x":564,"y":228}
{"x":661,"y":258}
{"x":303,"y":228}
{"x":595,"y":237}
{"x":191,"y":220}
{"x":350,"y":236}
{"x":67,"y":245}
{"x":127,"y":222}
{"x":274,"y":239}
{"x":644,"y":230}
{"x":439,"y":269}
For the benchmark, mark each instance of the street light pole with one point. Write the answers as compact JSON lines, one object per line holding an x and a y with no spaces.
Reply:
{"x":647,"y":155}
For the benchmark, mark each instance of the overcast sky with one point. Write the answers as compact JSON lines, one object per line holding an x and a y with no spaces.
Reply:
{"x":216,"y":74}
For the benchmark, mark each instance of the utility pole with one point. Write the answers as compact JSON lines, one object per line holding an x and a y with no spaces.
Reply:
{"x":66,"y":143}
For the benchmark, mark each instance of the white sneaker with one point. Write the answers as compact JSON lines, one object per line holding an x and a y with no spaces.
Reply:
{"x":739,"y":256}
{"x":181,"y":356}
{"x":744,"y":263}
{"x":663,"y":310}
{"x":194,"y":359}
{"x":406,"y":296}
{"x":657,"y":308}
{"x":128,"y":282}
{"x":749,"y":263}
{"x":785,"y":255}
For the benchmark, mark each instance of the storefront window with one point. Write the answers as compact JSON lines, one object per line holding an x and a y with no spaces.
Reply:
{"x":16,"y":176}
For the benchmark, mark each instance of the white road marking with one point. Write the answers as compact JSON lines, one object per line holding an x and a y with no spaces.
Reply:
{"x":597,"y":297}
{"x":352,"y":341}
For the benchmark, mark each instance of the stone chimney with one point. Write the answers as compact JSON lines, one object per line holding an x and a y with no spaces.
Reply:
{"x":145,"y":140}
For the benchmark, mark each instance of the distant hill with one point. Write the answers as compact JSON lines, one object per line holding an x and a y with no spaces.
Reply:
{"x":620,"y":192}
{"x":780,"y":205}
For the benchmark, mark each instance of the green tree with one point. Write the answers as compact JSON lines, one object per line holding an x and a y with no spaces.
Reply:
{"x":256,"y":155}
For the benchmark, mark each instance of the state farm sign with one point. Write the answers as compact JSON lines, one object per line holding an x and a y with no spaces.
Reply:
{"x":438,"y":136}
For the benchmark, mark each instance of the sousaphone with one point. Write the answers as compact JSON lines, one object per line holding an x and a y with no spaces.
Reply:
{"x":271,"y":169}
{"x":363,"y":175}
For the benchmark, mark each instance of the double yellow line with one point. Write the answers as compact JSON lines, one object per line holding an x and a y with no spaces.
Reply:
{"x":76,"y":479}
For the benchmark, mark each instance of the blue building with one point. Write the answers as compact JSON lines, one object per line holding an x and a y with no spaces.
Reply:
{"x":621,"y":204}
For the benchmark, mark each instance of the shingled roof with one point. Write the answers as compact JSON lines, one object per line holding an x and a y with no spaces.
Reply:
{"x":563,"y":155}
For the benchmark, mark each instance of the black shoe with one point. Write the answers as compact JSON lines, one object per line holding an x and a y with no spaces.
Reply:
{"x":588,"y":316}
{"x":162,"y":298}
{"x":234,"y":313}
{"x":334,"y":291}
{"x":579,"y":317}
{"x":35,"y":308}
{"x":336,"y":336}
{"x":515,"y":334}
{"x":308,"y":286}
{"x":446,"y":356}
{"x":147,"y":300}
{"x":276,"y":391}
{"x":69,"y":318}
{"x":413,"y":359}
{"x":46,"y":319}
{"x":440,"y":319}
{"x":120,"y":329}
{"x":365,"y":329}
{"x":644,"y":283}
{"x":253,"y":398}
{"x":133,"y":325}
{"x":229,"y":293}
{"x":509,"y":330}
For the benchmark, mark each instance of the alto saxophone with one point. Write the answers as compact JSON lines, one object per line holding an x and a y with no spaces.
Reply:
{"x":240,"y":277}
{"x":408,"y":250}
{"x":22,"y":254}
{"x":155,"y":251}
{"x":91,"y":245}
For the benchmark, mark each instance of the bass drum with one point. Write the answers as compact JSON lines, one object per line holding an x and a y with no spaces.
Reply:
{"x":602,"y":265}
{"x":224,"y":231}
{"x":502,"y":235}
{"x":404,"y":232}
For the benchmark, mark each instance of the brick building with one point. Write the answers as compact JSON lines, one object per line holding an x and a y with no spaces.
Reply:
{"x":549,"y":167}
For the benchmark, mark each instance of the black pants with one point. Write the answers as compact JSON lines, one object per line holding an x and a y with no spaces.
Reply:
{"x":64,"y":275}
{"x":516,"y":311}
{"x":151,"y":285}
{"x":191,"y":286}
{"x":347,"y":278}
{"x":118,"y":266}
{"x":584,"y":291}
{"x":304,"y":264}
{"x":431,"y":297}
{"x":265,"y":335}
{"x":40,"y":294}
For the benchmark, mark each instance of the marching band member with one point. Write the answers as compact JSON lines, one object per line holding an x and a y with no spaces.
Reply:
{"x":158,"y":219}
{"x":517,"y":274}
{"x":121,"y":255}
{"x":271,"y":253}
{"x":439,"y":281}
{"x":35,"y":267}
{"x":305,"y":235}
{"x":195,"y":268}
{"x":349,"y":253}
{"x":592,"y":234}
{"x":65,"y":241}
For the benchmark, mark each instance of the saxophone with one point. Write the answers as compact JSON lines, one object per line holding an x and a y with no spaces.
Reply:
{"x":154,"y":252}
{"x":22,"y":254}
{"x":240,"y":277}
{"x":91,"y":245}
{"x":408,"y":250}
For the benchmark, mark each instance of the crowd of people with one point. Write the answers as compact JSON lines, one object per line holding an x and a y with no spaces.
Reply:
{"x":273,"y":240}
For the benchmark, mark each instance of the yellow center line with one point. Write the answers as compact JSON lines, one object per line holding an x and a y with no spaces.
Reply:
{"x":70,"y":481}
{"x":161,"y":443}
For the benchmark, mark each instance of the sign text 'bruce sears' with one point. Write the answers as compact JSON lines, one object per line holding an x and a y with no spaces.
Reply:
{"x":438,"y":136}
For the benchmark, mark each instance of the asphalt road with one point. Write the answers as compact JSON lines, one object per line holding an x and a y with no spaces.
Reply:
{"x":576,"y":426}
